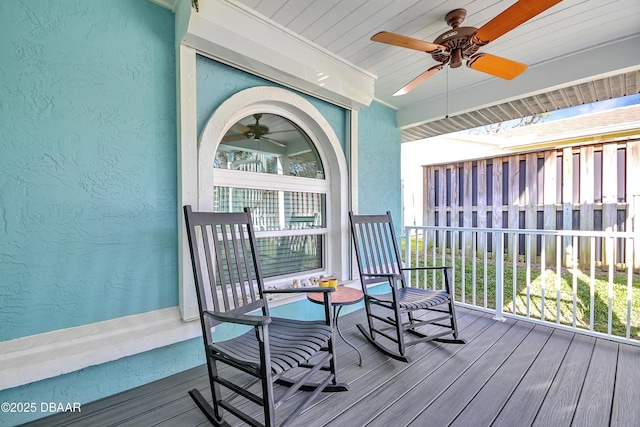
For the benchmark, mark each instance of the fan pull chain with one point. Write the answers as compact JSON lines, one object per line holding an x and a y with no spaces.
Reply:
{"x":447,"y":101}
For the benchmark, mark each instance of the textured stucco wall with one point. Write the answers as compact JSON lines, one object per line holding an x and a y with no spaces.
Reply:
{"x":379,"y":182}
{"x":87,"y":182}
{"x":88,"y":163}
{"x":217,"y":82}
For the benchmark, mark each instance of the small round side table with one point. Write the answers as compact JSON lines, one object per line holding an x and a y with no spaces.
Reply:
{"x":339,"y":298}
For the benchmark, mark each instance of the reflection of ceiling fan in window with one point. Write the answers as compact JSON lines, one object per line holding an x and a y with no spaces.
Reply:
{"x":252,"y":131}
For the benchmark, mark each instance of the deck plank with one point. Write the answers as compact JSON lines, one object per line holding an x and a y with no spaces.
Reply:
{"x":108,"y":407}
{"x":444,"y":409}
{"x":511,"y":373}
{"x":376,"y":375}
{"x":415,"y":393}
{"x":484,"y":406}
{"x":372,"y":391}
{"x":596,"y":398}
{"x":523,"y":404}
{"x":626,"y":410}
{"x":559,"y":405}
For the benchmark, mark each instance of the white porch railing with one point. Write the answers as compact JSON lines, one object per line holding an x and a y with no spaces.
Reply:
{"x":584,"y":281}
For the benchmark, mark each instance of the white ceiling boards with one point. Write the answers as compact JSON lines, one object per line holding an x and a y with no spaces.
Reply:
{"x":577,"y":52}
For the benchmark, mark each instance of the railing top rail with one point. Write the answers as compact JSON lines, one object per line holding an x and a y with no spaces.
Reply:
{"x":567,"y":233}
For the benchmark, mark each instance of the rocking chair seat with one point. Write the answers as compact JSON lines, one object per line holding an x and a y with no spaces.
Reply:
{"x":414,"y":299}
{"x":292,"y":343}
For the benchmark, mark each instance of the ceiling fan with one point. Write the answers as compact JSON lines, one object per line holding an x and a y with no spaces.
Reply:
{"x":462,"y":43}
{"x":252,"y":131}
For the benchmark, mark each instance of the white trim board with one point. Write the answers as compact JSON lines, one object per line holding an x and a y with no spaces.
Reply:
{"x":230,"y":32}
{"x":37,"y":357}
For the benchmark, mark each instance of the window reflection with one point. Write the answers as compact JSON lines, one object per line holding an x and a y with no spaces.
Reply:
{"x":271,"y":144}
{"x":274,"y":209}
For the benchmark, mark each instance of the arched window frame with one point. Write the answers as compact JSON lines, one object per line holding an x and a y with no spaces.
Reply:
{"x":293,"y":107}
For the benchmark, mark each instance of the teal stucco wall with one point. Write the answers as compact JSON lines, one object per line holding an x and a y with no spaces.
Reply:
{"x":379,"y":181}
{"x":87,"y":170}
{"x":88,"y":227}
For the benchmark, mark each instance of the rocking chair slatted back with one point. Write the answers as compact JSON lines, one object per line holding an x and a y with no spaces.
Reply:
{"x":232,"y":283}
{"x":376,"y":249}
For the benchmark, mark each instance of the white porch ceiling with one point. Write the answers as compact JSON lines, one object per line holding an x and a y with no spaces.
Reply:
{"x":578,"y":51}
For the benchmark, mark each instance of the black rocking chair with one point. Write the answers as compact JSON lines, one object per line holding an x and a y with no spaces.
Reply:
{"x":379,"y":261}
{"x":230,"y":289}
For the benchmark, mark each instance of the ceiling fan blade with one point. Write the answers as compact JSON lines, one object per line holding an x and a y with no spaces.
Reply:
{"x":279,"y":144}
{"x":408,"y":42}
{"x":496,"y":65}
{"x":239,"y":127}
{"x":510,"y":18}
{"x":237,"y":137}
{"x":416,"y":82}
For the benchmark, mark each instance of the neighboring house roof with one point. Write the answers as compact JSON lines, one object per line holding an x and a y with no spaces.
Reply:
{"x":610,"y":124}
{"x":619,"y":123}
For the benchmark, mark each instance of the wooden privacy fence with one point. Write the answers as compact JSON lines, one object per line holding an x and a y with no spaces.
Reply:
{"x":590,"y":188}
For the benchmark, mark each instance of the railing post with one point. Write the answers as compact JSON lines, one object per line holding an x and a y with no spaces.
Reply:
{"x":499,"y":248}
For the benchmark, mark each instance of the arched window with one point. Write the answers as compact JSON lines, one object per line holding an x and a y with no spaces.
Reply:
{"x":270,"y":149}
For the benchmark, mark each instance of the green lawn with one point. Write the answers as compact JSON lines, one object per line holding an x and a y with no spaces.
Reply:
{"x":485,"y":297}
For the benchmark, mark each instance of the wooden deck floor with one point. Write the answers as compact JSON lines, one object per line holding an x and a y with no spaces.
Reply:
{"x":509,"y":373}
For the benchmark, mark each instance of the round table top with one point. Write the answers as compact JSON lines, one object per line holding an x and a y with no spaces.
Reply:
{"x":341,"y":296}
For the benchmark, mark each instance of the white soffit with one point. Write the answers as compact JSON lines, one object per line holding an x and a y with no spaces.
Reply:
{"x":236,"y":35}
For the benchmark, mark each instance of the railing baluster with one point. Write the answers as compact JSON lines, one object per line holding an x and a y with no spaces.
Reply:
{"x":463,"y":272}
{"x":574,"y":251}
{"x":558,"y":277}
{"x":592,"y":283}
{"x":515,"y":272}
{"x":453,"y":263}
{"x":531,"y":303}
{"x":499,"y":252}
{"x":528,"y":272}
{"x":630,"y":264}
{"x":425,"y":241}
{"x":610,"y":290}
{"x":484,"y":250}
{"x":435,"y":249}
{"x":474,"y":274}
{"x":543,"y":279}
{"x":444,"y":250}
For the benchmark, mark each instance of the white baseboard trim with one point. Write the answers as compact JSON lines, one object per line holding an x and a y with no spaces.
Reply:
{"x":37,"y":357}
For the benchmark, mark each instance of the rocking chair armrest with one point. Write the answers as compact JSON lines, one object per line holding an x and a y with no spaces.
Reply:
{"x":241,"y":319}
{"x":298,"y":290}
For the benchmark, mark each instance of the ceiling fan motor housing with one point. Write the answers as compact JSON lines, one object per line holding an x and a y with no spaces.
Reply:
{"x":456,"y":38}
